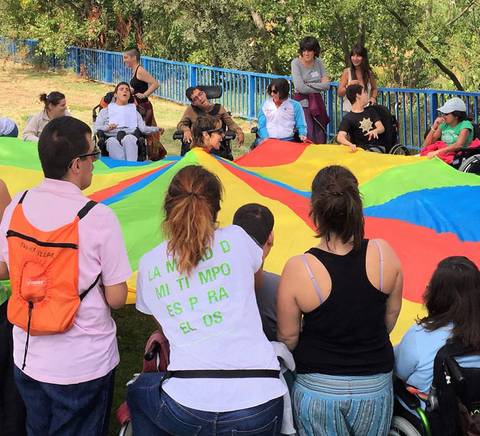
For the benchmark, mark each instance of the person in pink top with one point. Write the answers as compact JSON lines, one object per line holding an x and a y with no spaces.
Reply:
{"x":67,"y":380}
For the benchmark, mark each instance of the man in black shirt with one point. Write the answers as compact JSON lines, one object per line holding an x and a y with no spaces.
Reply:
{"x":362,"y":125}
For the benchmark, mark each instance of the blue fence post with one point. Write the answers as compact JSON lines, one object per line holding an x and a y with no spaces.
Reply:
{"x":433,"y":106}
{"x":109,"y":69}
{"x":251,"y":97}
{"x":192,"y":75}
{"x":78,"y":60}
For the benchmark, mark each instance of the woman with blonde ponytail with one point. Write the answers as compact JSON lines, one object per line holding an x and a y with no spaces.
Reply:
{"x":198,"y":284}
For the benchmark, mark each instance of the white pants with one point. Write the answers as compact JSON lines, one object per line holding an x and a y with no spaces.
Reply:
{"x":127,"y":150}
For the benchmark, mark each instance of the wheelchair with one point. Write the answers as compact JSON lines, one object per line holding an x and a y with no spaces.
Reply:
{"x":388,"y":141}
{"x":390,"y":138}
{"x":256,"y":142}
{"x":451,"y":407}
{"x":467,"y":160}
{"x":225,"y":151}
{"x":100,"y":138}
{"x":155,"y":359}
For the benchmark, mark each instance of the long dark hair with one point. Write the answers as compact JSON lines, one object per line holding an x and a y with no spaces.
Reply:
{"x":336,"y":205}
{"x":191,"y":208}
{"x":367,"y":72}
{"x":453,"y":296}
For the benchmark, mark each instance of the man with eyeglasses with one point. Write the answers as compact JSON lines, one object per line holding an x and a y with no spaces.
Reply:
{"x":201,"y":106}
{"x":67,"y":378}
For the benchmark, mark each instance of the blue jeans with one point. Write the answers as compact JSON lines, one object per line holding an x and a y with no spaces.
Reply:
{"x":154,"y":413}
{"x":66,"y":410}
{"x":12,"y":410}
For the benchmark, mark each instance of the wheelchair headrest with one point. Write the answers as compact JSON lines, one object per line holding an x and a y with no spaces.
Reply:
{"x":211,"y":91}
{"x":108,"y":97}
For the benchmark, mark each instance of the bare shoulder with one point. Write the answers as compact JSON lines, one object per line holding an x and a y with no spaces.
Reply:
{"x":388,"y":252}
{"x":292,"y":264}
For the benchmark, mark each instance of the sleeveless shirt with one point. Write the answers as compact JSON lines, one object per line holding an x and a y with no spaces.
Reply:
{"x":346,"y":334}
{"x":139,"y":86}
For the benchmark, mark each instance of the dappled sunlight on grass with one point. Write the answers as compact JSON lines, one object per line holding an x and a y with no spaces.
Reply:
{"x":22,"y":85}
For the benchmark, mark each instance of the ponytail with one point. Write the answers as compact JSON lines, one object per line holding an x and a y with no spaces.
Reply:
{"x":191,"y":207}
{"x":336,"y":205}
{"x":53,"y":98}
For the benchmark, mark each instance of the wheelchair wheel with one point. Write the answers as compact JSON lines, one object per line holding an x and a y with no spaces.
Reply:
{"x":471,"y":165}
{"x":402,"y":427}
{"x":376,"y":149}
{"x":400,"y":150}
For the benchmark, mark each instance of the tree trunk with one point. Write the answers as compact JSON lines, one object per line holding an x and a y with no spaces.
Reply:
{"x":447,"y":71}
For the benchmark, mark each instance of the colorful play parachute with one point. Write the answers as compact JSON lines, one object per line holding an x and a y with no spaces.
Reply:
{"x":425,"y":209}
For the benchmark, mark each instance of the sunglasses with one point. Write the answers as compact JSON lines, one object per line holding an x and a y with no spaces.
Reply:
{"x":220,"y":131}
{"x":274,"y":91}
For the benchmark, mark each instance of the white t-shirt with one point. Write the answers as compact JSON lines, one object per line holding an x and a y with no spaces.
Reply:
{"x":123,"y":116}
{"x":211,"y":320}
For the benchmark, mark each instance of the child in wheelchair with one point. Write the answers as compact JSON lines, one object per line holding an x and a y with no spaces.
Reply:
{"x":450,"y":132}
{"x":121,"y":125}
{"x":440,"y":356}
{"x":362,"y":126}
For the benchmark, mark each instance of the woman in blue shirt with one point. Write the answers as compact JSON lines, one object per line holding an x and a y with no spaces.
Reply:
{"x":452,"y":300}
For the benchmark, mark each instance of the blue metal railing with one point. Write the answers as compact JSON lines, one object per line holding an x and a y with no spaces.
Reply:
{"x":244,"y":91}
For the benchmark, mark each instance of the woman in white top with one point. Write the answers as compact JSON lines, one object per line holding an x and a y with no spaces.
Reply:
{"x":55,"y":106}
{"x":199,"y":286}
{"x":119,"y":121}
{"x":358,"y":73}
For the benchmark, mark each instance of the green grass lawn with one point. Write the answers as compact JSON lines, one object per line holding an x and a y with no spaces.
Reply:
{"x":22,"y":85}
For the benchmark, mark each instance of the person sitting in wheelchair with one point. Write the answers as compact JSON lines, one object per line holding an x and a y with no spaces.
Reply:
{"x":201,"y":106}
{"x":280,"y":117}
{"x":451,"y":131}
{"x":452,"y":299}
{"x":119,"y":122}
{"x":362,"y":126}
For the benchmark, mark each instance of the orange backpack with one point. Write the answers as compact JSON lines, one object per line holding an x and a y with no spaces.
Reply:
{"x":44,"y":274}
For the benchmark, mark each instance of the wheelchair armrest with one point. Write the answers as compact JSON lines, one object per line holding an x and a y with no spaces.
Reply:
{"x":101,"y":134}
{"x":454,"y":369}
{"x":178,"y":135}
{"x":400,"y":390}
{"x":254,"y":130}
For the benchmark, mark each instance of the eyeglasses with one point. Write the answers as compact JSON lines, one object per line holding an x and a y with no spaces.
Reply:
{"x":220,"y":131}
{"x":95,"y":154}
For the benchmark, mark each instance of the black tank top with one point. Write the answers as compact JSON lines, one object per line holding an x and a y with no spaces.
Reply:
{"x":139,"y":86}
{"x":346,"y":334}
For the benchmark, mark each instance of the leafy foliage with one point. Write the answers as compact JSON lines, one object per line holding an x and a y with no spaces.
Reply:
{"x":412,"y":43}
